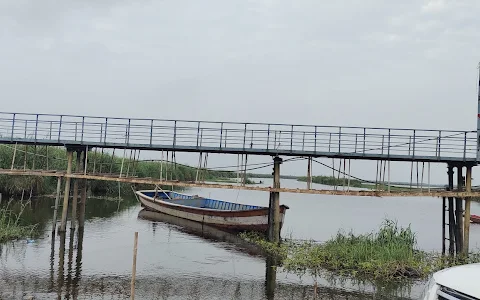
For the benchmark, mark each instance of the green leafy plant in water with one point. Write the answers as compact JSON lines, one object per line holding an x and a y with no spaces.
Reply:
{"x":389,"y":254}
{"x":10,"y":224}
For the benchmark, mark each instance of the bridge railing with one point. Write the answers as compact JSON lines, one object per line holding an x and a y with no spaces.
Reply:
{"x":285,"y":138}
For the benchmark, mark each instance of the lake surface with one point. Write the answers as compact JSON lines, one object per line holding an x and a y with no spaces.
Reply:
{"x":178,"y":259}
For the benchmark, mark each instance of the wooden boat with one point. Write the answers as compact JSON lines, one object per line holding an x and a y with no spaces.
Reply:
{"x":221,"y":214}
{"x":475,"y":219}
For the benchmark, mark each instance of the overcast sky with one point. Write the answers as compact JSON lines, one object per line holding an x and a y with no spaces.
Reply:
{"x":360,"y":62}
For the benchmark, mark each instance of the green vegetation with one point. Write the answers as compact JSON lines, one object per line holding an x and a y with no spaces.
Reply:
{"x":12,"y":226}
{"x":329,"y":180}
{"x":390,"y":254}
{"x":54,"y":158}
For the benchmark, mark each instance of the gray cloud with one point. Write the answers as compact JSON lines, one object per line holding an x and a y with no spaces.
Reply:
{"x":364,"y":63}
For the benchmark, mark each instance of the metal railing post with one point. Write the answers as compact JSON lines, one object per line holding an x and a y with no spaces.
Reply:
{"x":315,"y":146}
{"x":244,"y":136}
{"x":414,"y":136}
{"x":198,"y":133}
{"x":50,"y":134}
{"x":83,"y":127}
{"x":60,"y":128}
{"x":356,"y":141}
{"x":105,"y":133}
{"x":339,"y":139}
{"x":291,"y":140}
{"x":388,"y":149}
{"x":221,"y":134}
{"x":151,"y":132}
{"x":364,"y":137}
{"x":36,"y":127}
{"x":174,"y":134}
{"x":13,"y":127}
{"x":128,"y":132}
{"x":465,"y":147}
{"x":268,"y":136}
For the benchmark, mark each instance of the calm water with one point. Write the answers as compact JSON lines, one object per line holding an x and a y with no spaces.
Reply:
{"x":178,"y":259}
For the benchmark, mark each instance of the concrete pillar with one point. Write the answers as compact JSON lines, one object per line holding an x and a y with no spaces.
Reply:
{"x":274,"y":225}
{"x":466,"y":224}
{"x":451,"y":214}
{"x":57,"y":200}
{"x":459,"y":212}
{"x":63,"y":225}
{"x":73,"y":220}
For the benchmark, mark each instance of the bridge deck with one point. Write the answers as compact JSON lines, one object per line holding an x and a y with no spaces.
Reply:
{"x":241,"y":138}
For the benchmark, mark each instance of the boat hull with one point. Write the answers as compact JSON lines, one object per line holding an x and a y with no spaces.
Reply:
{"x":229,"y":220}
{"x":475,"y":219}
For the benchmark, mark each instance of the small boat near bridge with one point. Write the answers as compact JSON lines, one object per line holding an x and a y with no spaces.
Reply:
{"x":226,"y":215}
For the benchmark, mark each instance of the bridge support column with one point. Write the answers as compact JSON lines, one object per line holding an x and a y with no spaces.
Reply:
{"x":451,"y":214}
{"x":466,"y":225}
{"x":309,"y":173}
{"x":459,"y":212}
{"x":63,"y":225}
{"x":75,"y":192}
{"x":83,"y":197}
{"x":57,"y":200}
{"x":274,"y":207}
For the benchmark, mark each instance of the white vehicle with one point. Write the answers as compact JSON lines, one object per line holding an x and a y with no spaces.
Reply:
{"x":455,"y":283}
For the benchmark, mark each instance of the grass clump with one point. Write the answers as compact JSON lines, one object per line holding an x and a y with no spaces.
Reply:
{"x":11,"y":227}
{"x":389,"y":254}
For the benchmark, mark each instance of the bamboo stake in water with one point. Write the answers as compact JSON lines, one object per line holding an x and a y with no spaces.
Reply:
{"x":134,"y":267}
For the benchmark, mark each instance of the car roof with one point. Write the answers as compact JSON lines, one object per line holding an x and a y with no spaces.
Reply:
{"x":463,"y":279}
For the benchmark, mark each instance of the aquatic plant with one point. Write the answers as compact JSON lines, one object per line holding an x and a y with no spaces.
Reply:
{"x":11,"y":226}
{"x":389,"y":254}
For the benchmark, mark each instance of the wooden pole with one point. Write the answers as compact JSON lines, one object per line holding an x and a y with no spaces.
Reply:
{"x":63,"y":225}
{"x":14,"y":154}
{"x":443,"y":225}
{"x":309,"y":173}
{"x":459,"y":213}
{"x":57,"y":200}
{"x":73,"y":220}
{"x":83,"y":198}
{"x":466,"y":230}
{"x":451,"y":215}
{"x":134,"y":267}
{"x":274,"y":225}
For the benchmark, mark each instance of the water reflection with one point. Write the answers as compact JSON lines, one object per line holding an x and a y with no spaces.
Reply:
{"x":70,"y":281}
{"x":178,"y":259}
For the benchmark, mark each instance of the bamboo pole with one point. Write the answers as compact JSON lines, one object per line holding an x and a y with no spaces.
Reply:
{"x":134,"y":266}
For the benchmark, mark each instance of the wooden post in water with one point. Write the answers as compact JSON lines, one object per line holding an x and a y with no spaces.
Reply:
{"x":75,"y":192}
{"x":443,"y":224}
{"x":57,"y":200}
{"x":63,"y":225}
{"x":134,"y":267}
{"x":83,"y":197}
{"x":459,"y":212}
{"x":451,"y":214}
{"x":274,"y":224}
{"x":466,"y":224}
{"x":309,"y":173}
